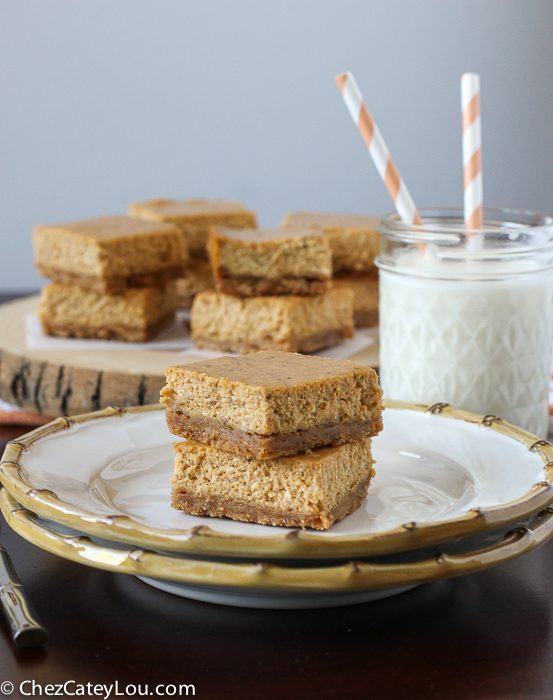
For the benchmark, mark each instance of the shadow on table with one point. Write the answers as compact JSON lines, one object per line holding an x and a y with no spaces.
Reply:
{"x":438,"y":640}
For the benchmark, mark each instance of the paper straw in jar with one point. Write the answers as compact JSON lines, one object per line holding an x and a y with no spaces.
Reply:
{"x":472,"y":150}
{"x":380,"y":154}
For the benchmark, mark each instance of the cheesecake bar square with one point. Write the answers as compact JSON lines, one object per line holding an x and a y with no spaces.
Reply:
{"x":194,"y":217}
{"x":270,"y":404}
{"x":110,"y":253}
{"x":352,"y":237}
{"x":134,"y":315}
{"x":305,"y":490}
{"x":365,"y":296}
{"x":198,"y":277}
{"x":255,"y":262}
{"x":291,"y":323}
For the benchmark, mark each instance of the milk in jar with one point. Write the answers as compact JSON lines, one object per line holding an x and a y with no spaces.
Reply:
{"x":468,"y":319}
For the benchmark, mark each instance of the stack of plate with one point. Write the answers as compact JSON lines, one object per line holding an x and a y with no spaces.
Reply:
{"x":453,"y":493}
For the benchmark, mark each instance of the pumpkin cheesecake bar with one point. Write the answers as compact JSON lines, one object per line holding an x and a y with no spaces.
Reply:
{"x":133,"y":315}
{"x":352,"y":237}
{"x":110,"y":253}
{"x":365,"y":296}
{"x":194,"y":217}
{"x":270,"y":404}
{"x":254,"y":262}
{"x":304,"y":490}
{"x":290,"y":323}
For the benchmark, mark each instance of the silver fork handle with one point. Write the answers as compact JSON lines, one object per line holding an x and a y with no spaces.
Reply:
{"x":20,"y":615}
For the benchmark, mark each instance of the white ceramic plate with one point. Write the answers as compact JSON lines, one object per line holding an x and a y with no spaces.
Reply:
{"x":440,"y":474}
{"x":266,"y":585}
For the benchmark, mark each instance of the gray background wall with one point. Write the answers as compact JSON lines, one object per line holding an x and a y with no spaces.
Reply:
{"x":105,"y":102}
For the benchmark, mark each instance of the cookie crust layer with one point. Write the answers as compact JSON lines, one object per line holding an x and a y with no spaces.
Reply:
{"x":311,"y":343}
{"x":118,"y":283}
{"x":217,"y":507}
{"x":108,"y":332}
{"x":216,"y":434}
{"x":259,"y":286}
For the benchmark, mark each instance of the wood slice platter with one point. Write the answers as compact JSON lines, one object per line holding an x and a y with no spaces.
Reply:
{"x":67,"y":382}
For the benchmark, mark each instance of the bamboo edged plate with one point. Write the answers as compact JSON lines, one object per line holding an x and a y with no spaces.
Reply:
{"x":266,"y":585}
{"x":441,"y":474}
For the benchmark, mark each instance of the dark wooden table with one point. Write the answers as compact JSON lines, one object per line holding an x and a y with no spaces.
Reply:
{"x":487,"y":635}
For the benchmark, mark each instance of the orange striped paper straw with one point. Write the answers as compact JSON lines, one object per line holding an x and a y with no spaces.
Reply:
{"x":380,"y":154}
{"x":472,"y":150}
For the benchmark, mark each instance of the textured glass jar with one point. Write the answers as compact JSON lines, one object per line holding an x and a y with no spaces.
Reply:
{"x":466,"y":317}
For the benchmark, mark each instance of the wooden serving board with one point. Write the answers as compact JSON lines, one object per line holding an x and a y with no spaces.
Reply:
{"x":68,"y":382}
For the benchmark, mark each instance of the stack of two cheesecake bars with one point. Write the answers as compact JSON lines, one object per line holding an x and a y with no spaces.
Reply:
{"x":113,"y":277}
{"x":355,"y":243}
{"x":273,"y":438}
{"x":273,"y":292}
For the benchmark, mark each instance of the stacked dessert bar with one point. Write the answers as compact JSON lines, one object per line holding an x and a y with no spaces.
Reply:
{"x":355,"y":244}
{"x":113,"y":277}
{"x":272,"y":437}
{"x":194,"y":217}
{"x":274,"y":292}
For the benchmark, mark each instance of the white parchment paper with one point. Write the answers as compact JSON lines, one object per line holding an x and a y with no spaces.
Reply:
{"x":175,"y":338}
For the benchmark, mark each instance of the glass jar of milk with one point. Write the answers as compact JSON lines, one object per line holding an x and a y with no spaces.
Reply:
{"x":466,"y":317}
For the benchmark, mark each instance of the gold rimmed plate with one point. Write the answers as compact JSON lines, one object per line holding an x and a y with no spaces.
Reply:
{"x":272,"y":585}
{"x":441,"y":474}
